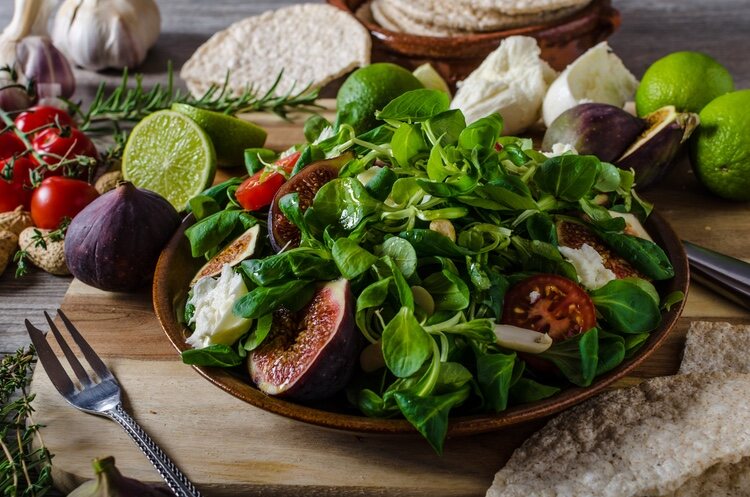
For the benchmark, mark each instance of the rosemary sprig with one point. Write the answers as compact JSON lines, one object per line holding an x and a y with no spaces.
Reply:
{"x":131,"y":104}
{"x":24,"y":471}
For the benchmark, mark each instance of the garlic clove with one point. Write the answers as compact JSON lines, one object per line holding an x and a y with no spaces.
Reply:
{"x":39,"y":60}
{"x":521,"y":339}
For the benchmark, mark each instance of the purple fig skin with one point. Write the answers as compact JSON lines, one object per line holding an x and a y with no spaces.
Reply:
{"x":321,"y":370}
{"x":603,"y":130}
{"x":653,"y":154}
{"x":281,"y":232}
{"x":113,"y":244}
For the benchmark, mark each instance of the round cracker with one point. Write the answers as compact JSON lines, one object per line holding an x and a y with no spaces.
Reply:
{"x":304,"y":40}
{"x":520,"y":7}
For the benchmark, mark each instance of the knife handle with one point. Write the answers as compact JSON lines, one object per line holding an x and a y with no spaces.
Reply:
{"x":727,"y":276}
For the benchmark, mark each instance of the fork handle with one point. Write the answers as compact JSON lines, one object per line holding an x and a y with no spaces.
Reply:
{"x":176,"y":480}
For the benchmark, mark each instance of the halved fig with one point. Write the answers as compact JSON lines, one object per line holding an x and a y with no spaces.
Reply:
{"x":574,"y":235}
{"x":281,"y":231}
{"x":243,"y":247}
{"x":653,"y":153}
{"x":633,"y":226}
{"x":309,"y":355}
{"x":603,"y":130}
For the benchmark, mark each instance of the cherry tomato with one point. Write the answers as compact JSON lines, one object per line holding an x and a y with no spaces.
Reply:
{"x":10,"y":145}
{"x":549,"y":304}
{"x":11,"y":196}
{"x":55,"y":145}
{"x":258,"y":190}
{"x":20,"y":176}
{"x":40,"y":116}
{"x":57,"y":198}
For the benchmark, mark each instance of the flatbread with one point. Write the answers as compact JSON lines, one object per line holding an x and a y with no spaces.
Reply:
{"x":721,"y":480}
{"x":518,"y":7}
{"x":394,"y":19}
{"x":304,"y":40}
{"x":717,"y":346}
{"x":454,"y":16}
{"x":645,"y":440}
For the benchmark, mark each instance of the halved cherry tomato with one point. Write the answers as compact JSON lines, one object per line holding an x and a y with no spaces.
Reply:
{"x":10,"y":144}
{"x":549,"y":304}
{"x":258,"y":190}
{"x":57,"y":198}
{"x":55,"y":145}
{"x":40,"y":116}
{"x":11,"y":196}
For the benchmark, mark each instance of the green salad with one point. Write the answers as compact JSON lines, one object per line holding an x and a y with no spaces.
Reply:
{"x":441,"y":270}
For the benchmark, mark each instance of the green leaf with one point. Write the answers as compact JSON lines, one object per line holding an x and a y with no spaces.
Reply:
{"x":220,"y":192}
{"x":209,"y":233}
{"x":673,"y":298}
{"x":314,"y":126}
{"x":221,"y":356}
{"x":541,"y":227}
{"x":403,"y":290}
{"x":408,"y":144}
{"x":626,"y":307}
{"x":203,"y":206}
{"x":448,"y":290}
{"x":568,"y":177}
{"x":576,"y":357}
{"x":415,"y":105}
{"x":402,"y":254}
{"x":262,"y":328}
{"x":601,"y":217}
{"x":299,"y":263}
{"x":646,"y":256}
{"x":611,"y":352}
{"x":293,"y":295}
{"x":257,"y":158}
{"x":482,"y":134}
{"x":427,"y":242}
{"x":494,"y":372}
{"x":526,"y":390}
{"x":380,"y":186}
{"x":343,"y":202}
{"x":406,"y":346}
{"x":374,"y":295}
{"x":351,"y":259}
{"x":608,"y":179}
{"x":446,"y":126}
{"x":429,"y":415}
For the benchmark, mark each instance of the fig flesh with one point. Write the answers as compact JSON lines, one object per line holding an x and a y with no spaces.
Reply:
{"x":573,"y":234}
{"x":282,"y":233}
{"x":309,"y":355}
{"x":603,"y":130}
{"x":653,"y":153}
{"x":240,"y":249}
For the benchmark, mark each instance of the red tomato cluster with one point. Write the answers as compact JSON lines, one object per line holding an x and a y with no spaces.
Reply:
{"x":258,"y":190}
{"x":53,"y":137}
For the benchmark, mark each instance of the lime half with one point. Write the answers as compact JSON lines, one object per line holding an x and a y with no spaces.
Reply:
{"x":430,"y":78}
{"x":230,"y":135}
{"x":168,"y":153}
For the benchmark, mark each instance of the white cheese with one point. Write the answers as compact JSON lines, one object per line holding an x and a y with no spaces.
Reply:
{"x":589,"y":266}
{"x":213,"y":299}
{"x":560,"y":149}
{"x":511,"y":81}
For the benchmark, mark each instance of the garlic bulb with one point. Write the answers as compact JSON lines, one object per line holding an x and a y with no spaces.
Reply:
{"x":96,"y":34}
{"x":38,"y":60}
{"x":30,"y":17}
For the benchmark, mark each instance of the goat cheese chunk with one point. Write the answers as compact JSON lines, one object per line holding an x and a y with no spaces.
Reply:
{"x":511,"y":81}
{"x":589,"y":266}
{"x":213,"y":299}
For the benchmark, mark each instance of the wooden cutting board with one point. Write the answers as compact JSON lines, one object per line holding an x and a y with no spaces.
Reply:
{"x":229,"y":448}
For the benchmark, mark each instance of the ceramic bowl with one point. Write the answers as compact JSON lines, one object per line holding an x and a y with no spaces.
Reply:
{"x":176,"y":268}
{"x":455,"y":57}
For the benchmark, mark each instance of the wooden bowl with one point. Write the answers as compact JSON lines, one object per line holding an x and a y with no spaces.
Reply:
{"x":176,"y":268}
{"x":455,"y":57}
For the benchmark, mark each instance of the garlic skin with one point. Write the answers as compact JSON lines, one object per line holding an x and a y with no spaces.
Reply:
{"x":99,"y":34}
{"x":109,"y":482}
{"x":39,"y":60}
{"x":30,"y":17}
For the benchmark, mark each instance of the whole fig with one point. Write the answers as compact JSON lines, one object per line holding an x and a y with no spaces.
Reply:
{"x":113,"y":244}
{"x":602,"y":130}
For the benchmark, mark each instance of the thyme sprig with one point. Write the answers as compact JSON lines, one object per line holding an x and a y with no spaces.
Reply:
{"x":127,"y":104}
{"x":24,"y":471}
{"x":39,"y":239}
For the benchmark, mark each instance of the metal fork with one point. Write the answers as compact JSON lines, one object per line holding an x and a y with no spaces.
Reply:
{"x":101,"y":397}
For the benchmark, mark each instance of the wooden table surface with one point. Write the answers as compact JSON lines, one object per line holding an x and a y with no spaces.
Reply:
{"x":649,"y":30}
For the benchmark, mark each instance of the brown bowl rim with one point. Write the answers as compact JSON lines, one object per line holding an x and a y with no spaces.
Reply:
{"x":459,"y":426}
{"x":595,"y":8}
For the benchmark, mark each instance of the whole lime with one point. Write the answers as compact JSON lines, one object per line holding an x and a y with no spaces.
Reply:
{"x":369,"y":89}
{"x":687,"y":80}
{"x":720,"y":149}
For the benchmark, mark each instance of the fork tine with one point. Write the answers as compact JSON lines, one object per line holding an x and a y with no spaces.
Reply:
{"x":78,"y":369}
{"x":49,"y":361}
{"x":98,"y":366}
